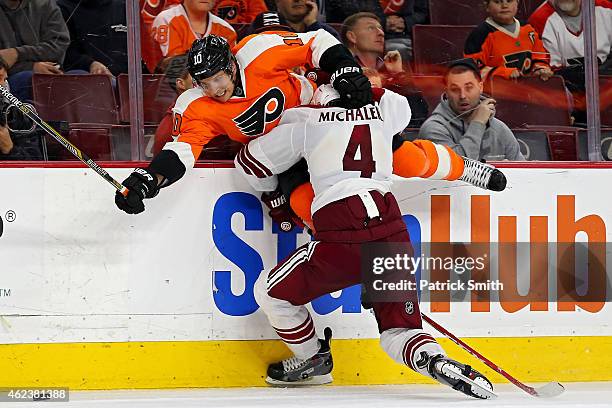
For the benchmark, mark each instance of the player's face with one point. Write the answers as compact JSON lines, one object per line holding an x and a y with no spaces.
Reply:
{"x":200,"y":5}
{"x":292,"y":10}
{"x":218,"y":87}
{"x":369,"y":35}
{"x":463,"y":91}
{"x":502,"y":11}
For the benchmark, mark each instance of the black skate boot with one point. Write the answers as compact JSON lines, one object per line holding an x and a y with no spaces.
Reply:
{"x":314,"y":371}
{"x":458,"y":376}
{"x":483,"y":175}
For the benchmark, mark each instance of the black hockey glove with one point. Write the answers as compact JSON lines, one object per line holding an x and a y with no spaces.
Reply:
{"x":141,"y":184}
{"x":354,"y":88}
{"x":280,"y":210}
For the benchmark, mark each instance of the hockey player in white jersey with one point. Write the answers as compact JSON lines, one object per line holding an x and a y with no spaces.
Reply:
{"x":351,"y":155}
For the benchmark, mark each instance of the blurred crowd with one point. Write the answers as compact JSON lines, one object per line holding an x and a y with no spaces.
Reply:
{"x":465,"y":67}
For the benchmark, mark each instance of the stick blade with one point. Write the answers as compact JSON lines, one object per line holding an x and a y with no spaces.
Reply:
{"x":550,"y":390}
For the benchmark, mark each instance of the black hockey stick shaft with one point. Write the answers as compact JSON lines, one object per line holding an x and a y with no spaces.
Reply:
{"x":549,"y":390}
{"x":76,"y":152}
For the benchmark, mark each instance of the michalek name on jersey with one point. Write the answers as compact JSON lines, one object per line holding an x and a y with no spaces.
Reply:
{"x":368,"y":112}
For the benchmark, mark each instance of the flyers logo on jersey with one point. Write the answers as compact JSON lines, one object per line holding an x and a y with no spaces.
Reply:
{"x":266,"y":109}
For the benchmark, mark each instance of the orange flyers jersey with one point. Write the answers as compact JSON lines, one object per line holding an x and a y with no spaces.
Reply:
{"x":499,"y":52}
{"x":232,"y":11}
{"x":174,"y":34}
{"x":267,"y":85}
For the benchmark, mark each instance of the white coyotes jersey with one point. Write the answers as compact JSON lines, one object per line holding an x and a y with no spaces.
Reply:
{"x":348,"y":151}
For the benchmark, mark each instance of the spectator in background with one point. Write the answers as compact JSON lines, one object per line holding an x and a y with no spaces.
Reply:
{"x":300,"y":16}
{"x":465,"y":119}
{"x":20,"y":145}
{"x":176,"y":28}
{"x":503,"y":47}
{"x":232,"y":11}
{"x":339,"y":10}
{"x":363,"y":34}
{"x":180,"y":80}
{"x":401,"y":15}
{"x":33,"y":38}
{"x":559,"y":23}
{"x":239,"y":11}
{"x":98,"y":36}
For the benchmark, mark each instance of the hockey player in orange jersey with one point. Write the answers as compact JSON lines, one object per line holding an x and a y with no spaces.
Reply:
{"x":503,"y":47}
{"x":243,"y":94}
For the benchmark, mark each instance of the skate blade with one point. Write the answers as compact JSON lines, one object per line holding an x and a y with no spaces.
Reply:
{"x":483,"y":392}
{"x":316,"y":380}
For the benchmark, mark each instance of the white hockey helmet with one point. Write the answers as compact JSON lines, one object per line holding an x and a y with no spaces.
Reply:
{"x":324,"y":95}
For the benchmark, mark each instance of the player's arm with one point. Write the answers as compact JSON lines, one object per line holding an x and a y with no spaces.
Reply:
{"x":286,"y":50}
{"x":170,"y":165}
{"x":262,"y":159}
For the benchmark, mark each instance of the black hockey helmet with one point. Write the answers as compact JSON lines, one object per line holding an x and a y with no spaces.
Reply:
{"x":209,"y":55}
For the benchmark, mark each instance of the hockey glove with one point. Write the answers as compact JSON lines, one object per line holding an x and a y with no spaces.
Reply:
{"x":280,"y":210}
{"x":354,"y":88}
{"x":141,"y":184}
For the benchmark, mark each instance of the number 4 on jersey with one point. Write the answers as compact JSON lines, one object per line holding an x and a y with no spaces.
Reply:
{"x":361,"y":140}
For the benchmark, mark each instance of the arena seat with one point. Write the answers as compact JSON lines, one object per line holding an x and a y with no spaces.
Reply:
{"x":95,"y":142}
{"x":531,"y":102}
{"x":158,"y":96}
{"x":432,"y":87}
{"x":75,"y":98}
{"x":462,"y":12}
{"x":434,"y":46}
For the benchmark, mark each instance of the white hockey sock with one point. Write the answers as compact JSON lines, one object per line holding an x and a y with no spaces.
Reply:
{"x":293,"y":324}
{"x":406,"y":345}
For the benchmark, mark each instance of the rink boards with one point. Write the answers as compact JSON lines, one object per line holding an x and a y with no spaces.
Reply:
{"x":93,"y":298}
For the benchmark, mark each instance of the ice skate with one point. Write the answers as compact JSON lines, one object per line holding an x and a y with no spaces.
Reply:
{"x":458,"y":376}
{"x":483,"y":175}
{"x":313,"y":371}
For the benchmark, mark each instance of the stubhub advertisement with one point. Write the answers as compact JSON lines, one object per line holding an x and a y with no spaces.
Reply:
{"x":77,"y":269}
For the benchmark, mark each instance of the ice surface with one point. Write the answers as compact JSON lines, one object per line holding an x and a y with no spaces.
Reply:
{"x":592,"y":395}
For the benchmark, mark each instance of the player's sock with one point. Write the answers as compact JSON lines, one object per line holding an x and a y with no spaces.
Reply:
{"x":483,"y":175}
{"x":460,"y":377}
{"x":315,"y":370}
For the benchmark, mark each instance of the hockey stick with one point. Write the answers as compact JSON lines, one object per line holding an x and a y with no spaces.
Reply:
{"x":26,"y":110}
{"x":551,"y":389}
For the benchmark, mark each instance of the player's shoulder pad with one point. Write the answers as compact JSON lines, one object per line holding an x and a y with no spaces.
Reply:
{"x":188,"y":98}
{"x":477,"y":38}
{"x":299,"y":114}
